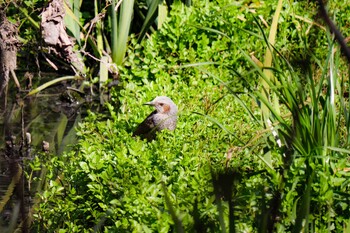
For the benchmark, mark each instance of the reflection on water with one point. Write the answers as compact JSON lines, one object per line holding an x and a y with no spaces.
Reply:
{"x":43,"y":116}
{"x":48,"y":117}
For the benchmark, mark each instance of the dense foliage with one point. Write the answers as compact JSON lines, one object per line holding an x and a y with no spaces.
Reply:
{"x":220,"y":168}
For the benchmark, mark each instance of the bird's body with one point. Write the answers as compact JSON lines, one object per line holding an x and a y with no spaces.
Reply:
{"x":164,"y":117}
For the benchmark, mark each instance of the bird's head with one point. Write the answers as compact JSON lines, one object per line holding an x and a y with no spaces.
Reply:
{"x":164,"y":105}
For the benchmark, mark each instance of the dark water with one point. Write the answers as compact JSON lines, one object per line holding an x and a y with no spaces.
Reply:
{"x":45,"y":116}
{"x":25,"y":123}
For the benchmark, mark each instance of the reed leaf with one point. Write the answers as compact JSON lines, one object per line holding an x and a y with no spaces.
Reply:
{"x":71,"y":18}
{"x":120,"y":29}
{"x":268,"y":62}
{"x":219,"y":125}
{"x":61,"y":129}
{"x":162,"y":14}
{"x":50,"y":83}
{"x":31,"y":20}
{"x":150,"y":17}
{"x":302,"y":220}
{"x":10,"y":189}
{"x":178,"y":225}
{"x":99,"y":35}
{"x":103,"y":70}
{"x":234,"y":93}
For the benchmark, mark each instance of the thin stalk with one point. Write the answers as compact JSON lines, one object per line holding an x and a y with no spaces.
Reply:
{"x":31,"y":20}
{"x":99,"y":37}
{"x":114,"y":36}
{"x":50,"y":83}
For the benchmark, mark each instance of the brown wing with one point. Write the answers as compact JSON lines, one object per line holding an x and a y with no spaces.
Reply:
{"x":147,"y":128}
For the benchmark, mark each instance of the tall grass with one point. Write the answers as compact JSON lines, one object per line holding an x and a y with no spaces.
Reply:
{"x":120,"y":29}
{"x":306,"y":119}
{"x":268,"y":62}
{"x":311,"y":129}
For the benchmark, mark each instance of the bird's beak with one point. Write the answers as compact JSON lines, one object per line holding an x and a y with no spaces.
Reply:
{"x":149,"y":103}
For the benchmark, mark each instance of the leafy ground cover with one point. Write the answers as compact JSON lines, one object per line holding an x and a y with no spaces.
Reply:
{"x":220,"y":169}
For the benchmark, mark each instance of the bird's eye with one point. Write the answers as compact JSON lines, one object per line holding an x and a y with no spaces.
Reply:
{"x":161,"y":104}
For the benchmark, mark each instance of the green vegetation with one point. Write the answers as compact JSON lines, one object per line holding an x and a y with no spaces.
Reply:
{"x":99,"y":31}
{"x":221,"y":169}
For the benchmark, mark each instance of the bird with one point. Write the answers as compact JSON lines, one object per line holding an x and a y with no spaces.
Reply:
{"x":164,"y":117}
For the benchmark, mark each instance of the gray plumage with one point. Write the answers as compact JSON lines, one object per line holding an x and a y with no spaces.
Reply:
{"x":164,"y":117}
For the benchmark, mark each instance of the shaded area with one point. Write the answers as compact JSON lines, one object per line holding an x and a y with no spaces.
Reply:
{"x":41,"y":115}
{"x":8,"y":50}
{"x":30,"y":127}
{"x":55,"y":36}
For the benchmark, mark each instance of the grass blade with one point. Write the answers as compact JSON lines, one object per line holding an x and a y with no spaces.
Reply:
{"x":120,"y":29}
{"x":50,"y":83}
{"x":150,"y":17}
